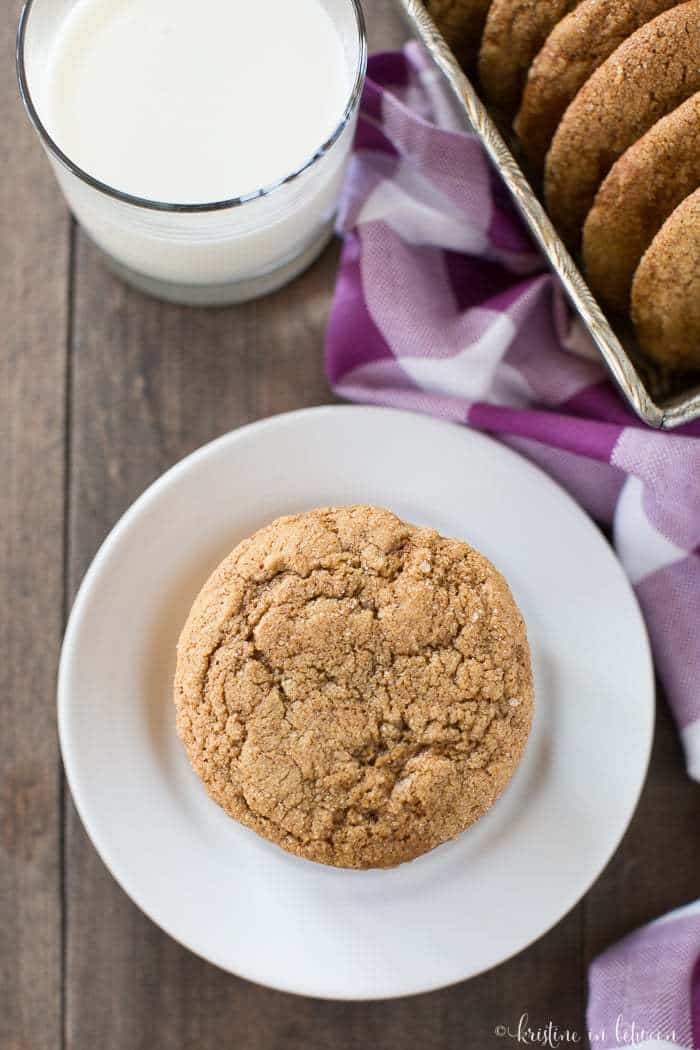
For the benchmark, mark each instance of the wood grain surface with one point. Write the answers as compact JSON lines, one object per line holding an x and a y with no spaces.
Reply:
{"x":34,"y":296}
{"x":103,"y":389}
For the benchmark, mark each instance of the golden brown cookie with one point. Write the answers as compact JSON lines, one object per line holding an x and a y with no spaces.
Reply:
{"x":655,"y":70}
{"x":353,"y":688}
{"x":574,"y":49}
{"x":666,"y":290}
{"x":644,"y":186}
{"x":461,"y":22}
{"x":515,"y":31}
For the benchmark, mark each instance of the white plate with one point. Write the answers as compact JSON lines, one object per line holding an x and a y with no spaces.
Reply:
{"x":243,"y":903}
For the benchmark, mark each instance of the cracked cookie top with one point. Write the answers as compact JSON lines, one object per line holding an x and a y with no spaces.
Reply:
{"x":353,"y":688}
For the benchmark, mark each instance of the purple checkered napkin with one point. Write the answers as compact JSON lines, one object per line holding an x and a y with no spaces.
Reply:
{"x":444,"y":306}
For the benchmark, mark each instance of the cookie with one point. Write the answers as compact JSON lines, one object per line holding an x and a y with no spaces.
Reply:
{"x":666,"y":290}
{"x":574,"y":49}
{"x":515,"y":31}
{"x":644,"y":186}
{"x":461,"y":22}
{"x":353,"y":688}
{"x":655,"y":70}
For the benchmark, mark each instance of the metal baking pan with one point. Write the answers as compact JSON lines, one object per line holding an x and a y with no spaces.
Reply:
{"x":659,"y":397}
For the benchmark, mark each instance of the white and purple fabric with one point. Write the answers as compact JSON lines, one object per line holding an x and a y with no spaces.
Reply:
{"x":645,"y":991}
{"x":444,"y":306}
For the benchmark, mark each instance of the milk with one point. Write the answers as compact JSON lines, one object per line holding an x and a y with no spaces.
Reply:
{"x":194,"y":100}
{"x":192,"y":103}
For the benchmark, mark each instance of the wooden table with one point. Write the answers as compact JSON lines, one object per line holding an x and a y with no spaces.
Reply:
{"x":102,"y":390}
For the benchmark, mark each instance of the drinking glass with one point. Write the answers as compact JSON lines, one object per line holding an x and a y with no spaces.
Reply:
{"x":221,"y":252}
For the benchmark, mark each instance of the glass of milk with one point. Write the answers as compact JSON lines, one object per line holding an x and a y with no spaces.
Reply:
{"x":201,"y":143}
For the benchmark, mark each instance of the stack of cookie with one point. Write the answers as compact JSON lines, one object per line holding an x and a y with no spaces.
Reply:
{"x":604,"y":99}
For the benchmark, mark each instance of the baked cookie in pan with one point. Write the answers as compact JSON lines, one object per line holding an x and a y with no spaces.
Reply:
{"x":666,"y":290}
{"x":575,"y":48}
{"x":648,"y":76}
{"x":642,"y":189}
{"x":515,"y":31}
{"x":461,"y":22}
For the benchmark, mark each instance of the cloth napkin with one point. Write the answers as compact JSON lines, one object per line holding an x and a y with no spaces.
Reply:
{"x":444,"y":306}
{"x":645,"y":991}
